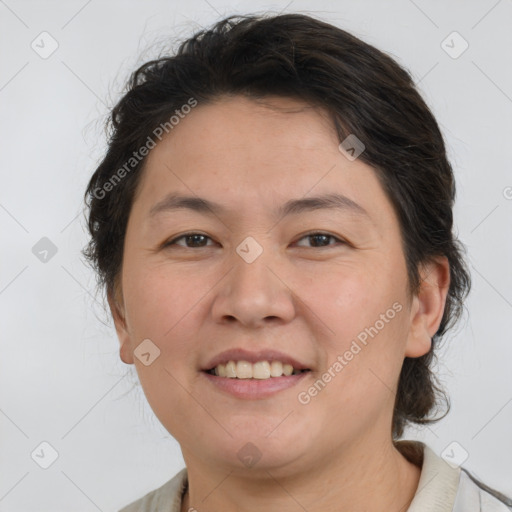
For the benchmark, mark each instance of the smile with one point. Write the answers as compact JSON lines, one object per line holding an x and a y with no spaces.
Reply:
{"x":260,"y":370}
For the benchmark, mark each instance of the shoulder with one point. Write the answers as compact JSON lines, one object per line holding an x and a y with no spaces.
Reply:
{"x":475,"y":495}
{"x":165,"y":498}
{"x":446,"y":487}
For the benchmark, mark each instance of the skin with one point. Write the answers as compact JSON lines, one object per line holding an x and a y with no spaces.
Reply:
{"x":195,"y":301}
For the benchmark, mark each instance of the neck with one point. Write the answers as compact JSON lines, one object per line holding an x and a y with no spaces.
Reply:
{"x":378,"y":479}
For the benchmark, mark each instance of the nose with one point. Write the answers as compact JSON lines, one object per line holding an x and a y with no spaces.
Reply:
{"x":255,"y":292}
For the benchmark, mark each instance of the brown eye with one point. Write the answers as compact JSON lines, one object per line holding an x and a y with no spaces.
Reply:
{"x":198,"y":240}
{"x":321,"y":239}
{"x":192,"y":240}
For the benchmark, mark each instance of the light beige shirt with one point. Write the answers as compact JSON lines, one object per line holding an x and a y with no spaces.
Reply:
{"x":441,"y":488}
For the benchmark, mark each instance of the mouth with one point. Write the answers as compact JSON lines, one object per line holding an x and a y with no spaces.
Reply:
{"x":254,"y":375}
{"x":260,"y":370}
{"x":258,"y":386}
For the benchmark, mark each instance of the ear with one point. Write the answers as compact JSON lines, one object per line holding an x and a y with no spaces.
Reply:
{"x":428,"y":306}
{"x":123,"y":335}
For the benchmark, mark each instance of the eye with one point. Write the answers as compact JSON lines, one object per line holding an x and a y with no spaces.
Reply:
{"x":195,"y":239}
{"x":198,"y":240}
{"x":321,"y":239}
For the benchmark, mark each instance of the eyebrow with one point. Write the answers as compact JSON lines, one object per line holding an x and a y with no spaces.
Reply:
{"x":201,"y":205}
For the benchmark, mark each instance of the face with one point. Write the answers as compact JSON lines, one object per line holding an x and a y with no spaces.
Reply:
{"x":266,"y":273}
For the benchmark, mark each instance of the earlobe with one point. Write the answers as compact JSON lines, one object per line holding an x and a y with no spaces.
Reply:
{"x":428,"y":306}
{"x":123,"y":335}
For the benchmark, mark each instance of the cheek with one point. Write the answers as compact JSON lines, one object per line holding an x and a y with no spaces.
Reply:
{"x":162,"y":305}
{"x":158,"y":299}
{"x":357,"y":386}
{"x":353,"y":299}
{"x":367,"y":316}
{"x":168,"y":305}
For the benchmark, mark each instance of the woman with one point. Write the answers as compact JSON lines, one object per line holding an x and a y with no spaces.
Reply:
{"x":272,"y":223}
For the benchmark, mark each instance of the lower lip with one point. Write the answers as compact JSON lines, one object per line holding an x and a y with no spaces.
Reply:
{"x":253,"y":389}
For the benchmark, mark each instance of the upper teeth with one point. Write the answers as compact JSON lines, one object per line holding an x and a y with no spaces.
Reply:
{"x":259,"y":370}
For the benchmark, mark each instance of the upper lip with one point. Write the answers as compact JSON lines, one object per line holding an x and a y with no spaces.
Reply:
{"x":240,"y":354}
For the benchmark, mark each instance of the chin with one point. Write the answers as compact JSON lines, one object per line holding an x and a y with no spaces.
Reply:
{"x":256,"y":448}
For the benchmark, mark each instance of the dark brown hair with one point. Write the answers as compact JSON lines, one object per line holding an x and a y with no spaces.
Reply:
{"x":366,"y":93}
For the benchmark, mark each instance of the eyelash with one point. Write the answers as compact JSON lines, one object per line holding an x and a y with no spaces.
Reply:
{"x":307,"y":235}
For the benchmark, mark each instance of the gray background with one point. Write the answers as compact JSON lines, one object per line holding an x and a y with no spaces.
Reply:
{"x":61,"y":379}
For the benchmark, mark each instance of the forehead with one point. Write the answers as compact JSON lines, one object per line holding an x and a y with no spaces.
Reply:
{"x":279,"y":123}
{"x":252,"y":153}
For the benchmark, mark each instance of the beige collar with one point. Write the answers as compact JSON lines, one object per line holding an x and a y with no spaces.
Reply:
{"x":438,"y":482}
